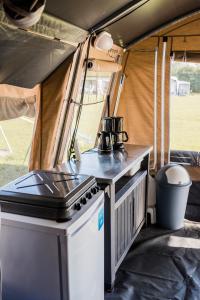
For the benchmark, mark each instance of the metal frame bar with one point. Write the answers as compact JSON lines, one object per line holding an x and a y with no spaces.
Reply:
{"x":67,"y":112}
{"x":178,"y":35}
{"x":169,"y":116}
{"x":119,"y":14}
{"x":162,"y":127}
{"x":155,"y":150}
{"x":120,"y":87}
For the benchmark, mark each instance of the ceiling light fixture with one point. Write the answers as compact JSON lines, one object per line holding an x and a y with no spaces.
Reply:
{"x":103,"y":41}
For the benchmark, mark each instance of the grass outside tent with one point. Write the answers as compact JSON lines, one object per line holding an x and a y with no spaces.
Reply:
{"x":19,"y":134}
{"x":185,"y":122}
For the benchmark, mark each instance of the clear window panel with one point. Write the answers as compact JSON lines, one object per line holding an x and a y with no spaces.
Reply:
{"x":89,"y":125}
{"x":96,"y":89}
{"x":15,"y":144}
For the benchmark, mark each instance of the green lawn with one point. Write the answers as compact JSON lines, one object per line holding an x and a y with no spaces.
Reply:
{"x":19,"y":134}
{"x":185,"y":122}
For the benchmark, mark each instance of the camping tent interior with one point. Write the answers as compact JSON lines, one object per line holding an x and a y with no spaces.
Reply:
{"x":42,"y":75}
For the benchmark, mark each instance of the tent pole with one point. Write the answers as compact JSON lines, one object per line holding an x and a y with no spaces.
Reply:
{"x":169,"y":116}
{"x":118,"y":15}
{"x":155,"y":108}
{"x":122,"y":78}
{"x":162,"y":147}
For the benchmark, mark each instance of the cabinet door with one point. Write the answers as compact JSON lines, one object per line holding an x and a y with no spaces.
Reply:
{"x":124,"y":225}
{"x":139,"y":203}
{"x":128,"y":217}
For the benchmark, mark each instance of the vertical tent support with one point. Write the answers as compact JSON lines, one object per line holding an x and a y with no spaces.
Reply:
{"x":169,"y":115}
{"x":162,"y":147}
{"x":122,"y":78}
{"x":155,"y":108}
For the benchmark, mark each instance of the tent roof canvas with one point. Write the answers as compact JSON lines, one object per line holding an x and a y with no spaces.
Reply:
{"x":27,"y":58}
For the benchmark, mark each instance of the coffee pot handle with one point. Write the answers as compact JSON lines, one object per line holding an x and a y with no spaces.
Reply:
{"x":125,"y":136}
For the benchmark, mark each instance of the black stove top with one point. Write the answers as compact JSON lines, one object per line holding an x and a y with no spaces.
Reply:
{"x":47,"y":190}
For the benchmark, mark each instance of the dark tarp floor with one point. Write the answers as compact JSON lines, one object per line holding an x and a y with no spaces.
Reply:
{"x":162,"y":265}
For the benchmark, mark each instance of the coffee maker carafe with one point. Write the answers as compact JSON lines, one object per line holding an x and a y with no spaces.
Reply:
{"x":105,"y":137}
{"x":105,"y":143}
{"x":120,"y":136}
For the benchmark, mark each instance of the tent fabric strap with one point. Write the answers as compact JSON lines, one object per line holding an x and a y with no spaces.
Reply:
{"x":97,"y":65}
{"x":11,"y":108}
{"x":187,"y":56}
{"x":87,"y":104}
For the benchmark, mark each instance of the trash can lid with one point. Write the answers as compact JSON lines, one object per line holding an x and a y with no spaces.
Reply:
{"x":173,"y":174}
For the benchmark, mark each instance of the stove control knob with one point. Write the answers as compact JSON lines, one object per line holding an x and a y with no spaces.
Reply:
{"x":94,"y":190}
{"x":84,"y":201}
{"x":77,"y":206}
{"x":89,"y":195}
{"x":97,"y":188}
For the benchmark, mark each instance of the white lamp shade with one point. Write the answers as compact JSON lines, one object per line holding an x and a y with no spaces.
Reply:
{"x":103,"y":41}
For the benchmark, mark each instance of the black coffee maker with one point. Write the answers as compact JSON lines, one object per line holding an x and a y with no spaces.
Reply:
{"x":105,"y":143}
{"x":120,"y":136}
{"x":112,"y":135}
{"x":106,"y":140}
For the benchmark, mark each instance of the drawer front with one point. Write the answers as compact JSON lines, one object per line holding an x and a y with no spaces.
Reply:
{"x":128,"y":217}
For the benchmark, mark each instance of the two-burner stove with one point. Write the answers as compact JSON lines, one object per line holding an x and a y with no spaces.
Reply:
{"x":48,"y":194}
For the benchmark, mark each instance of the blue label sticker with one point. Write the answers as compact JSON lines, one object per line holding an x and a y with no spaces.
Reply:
{"x":100,"y":218}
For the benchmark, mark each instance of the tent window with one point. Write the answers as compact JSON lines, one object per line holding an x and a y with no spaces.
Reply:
{"x":96,"y":89}
{"x":185,"y":106}
{"x":16,"y":129}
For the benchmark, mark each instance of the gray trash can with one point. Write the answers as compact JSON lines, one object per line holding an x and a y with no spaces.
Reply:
{"x":172,"y":187}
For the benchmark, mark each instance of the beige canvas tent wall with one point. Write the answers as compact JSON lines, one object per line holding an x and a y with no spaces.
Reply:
{"x":137,"y":103}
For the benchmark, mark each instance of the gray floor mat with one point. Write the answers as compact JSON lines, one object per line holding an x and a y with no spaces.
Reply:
{"x":162,"y":265}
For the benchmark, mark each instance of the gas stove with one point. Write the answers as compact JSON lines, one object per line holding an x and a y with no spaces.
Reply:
{"x":48,"y":194}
